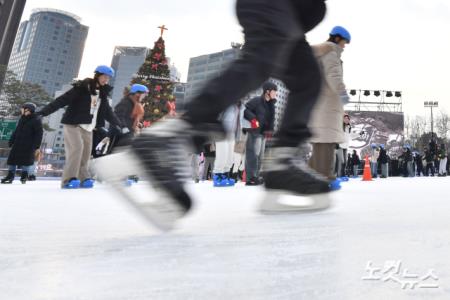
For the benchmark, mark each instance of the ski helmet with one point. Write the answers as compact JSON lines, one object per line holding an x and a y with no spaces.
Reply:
{"x":269,"y":86}
{"x":382,"y":146}
{"x":138,"y":88}
{"x":105,"y":70}
{"x":342,"y":32}
{"x":373,"y":146}
{"x":30,"y":106}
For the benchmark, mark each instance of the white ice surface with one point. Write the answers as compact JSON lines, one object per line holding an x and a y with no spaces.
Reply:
{"x":86,"y":244}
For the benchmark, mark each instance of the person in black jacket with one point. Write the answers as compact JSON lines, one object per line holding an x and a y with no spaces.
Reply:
{"x":260,"y":112}
{"x":356,"y":162}
{"x":87,"y":108}
{"x":25,"y":143}
{"x":383,"y":160}
{"x":429,"y":158}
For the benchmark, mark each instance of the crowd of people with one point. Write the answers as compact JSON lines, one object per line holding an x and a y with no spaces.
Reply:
{"x":87,"y":109}
{"x":236,"y":157}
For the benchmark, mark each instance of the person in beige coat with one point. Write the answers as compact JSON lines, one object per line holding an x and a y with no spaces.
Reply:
{"x":326,"y":118}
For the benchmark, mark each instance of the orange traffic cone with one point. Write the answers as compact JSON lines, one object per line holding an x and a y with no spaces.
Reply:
{"x":367,"y":175}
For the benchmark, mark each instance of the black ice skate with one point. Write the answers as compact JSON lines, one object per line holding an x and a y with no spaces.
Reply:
{"x":9,"y":178}
{"x":159,"y":156}
{"x":290,"y":182}
{"x":24,"y":177}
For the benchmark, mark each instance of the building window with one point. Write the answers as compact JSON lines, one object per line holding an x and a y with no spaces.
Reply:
{"x":57,"y":145}
{"x":43,"y":81}
{"x":55,"y":38}
{"x":58,"y":139}
{"x":59,"y":73}
{"x":64,"y":51}
{"x":62,"y":62}
{"x":49,"y":59}
{"x":52,"y":49}
{"x":47,"y":71}
{"x":57,"y":84}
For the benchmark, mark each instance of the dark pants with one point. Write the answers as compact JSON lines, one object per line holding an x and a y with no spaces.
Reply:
{"x":323,"y":159}
{"x":254,"y":154}
{"x":275,"y":46}
{"x":430,"y":167}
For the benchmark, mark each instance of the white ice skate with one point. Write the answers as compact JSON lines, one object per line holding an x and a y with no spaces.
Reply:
{"x":291,"y":186}
{"x":151,"y":203}
{"x":279,"y":202}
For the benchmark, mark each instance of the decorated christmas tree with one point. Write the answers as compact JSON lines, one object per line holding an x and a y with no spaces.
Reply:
{"x":155,"y":74}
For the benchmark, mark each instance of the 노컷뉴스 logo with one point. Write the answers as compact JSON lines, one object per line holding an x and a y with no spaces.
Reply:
{"x":392,"y":271}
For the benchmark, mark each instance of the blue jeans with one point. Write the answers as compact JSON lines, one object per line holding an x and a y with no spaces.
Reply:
{"x":355,"y":170}
{"x":254,"y":154}
{"x":374,"y":167}
{"x":14,"y":168}
{"x":32,"y":169}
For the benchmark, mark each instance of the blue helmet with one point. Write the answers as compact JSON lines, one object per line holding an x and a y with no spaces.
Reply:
{"x":382,"y":146}
{"x":138,"y":88}
{"x":105,"y":70}
{"x":342,"y":32}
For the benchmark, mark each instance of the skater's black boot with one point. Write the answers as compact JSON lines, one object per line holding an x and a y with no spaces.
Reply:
{"x":285,"y":175}
{"x":159,"y":154}
{"x":241,"y":175}
{"x":9,"y":178}
{"x":24,"y":177}
{"x":235,"y":177}
{"x":32,"y":177}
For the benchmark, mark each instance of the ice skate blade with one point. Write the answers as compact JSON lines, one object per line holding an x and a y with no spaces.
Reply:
{"x":161,"y":212}
{"x":283,"y":203}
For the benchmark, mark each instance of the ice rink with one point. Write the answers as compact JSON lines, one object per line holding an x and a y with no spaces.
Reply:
{"x":381,"y":240}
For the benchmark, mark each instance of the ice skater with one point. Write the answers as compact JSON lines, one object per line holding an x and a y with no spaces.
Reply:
{"x":326,"y":120}
{"x":87,"y":108}
{"x":275,"y":46}
{"x":25,"y":143}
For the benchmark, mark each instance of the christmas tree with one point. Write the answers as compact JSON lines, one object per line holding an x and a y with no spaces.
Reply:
{"x":155,"y":74}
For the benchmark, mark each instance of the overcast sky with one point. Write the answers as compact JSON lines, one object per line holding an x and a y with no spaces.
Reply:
{"x":397,"y":44}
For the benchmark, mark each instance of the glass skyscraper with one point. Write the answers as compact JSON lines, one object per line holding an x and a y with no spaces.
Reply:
{"x":48,"y":49}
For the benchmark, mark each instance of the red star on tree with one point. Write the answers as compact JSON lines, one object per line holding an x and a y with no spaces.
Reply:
{"x":154,"y":66}
{"x":158,"y":88}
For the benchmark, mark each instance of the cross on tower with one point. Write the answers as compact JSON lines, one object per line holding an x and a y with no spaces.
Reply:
{"x":163,"y":28}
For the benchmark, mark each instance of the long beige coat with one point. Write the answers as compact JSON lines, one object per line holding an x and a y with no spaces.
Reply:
{"x":326,"y":120}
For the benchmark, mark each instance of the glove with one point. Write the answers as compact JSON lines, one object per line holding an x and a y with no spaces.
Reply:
{"x":125,"y":130}
{"x":102,"y":147}
{"x":345,"y":98}
{"x":254,"y":123}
